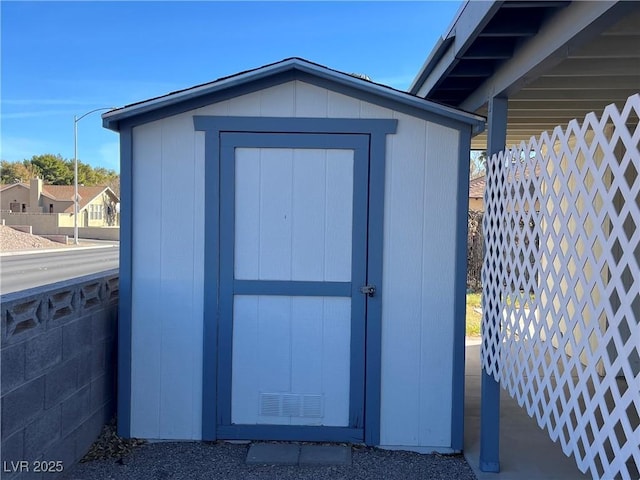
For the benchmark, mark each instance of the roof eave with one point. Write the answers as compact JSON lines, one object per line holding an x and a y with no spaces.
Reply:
{"x":7,"y":187}
{"x":466,"y":26}
{"x":434,"y":57}
{"x":111,"y":119}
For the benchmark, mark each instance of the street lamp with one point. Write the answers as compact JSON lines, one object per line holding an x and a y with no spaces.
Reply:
{"x":76,"y":119}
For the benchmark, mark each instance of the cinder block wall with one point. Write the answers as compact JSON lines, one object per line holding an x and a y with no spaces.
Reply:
{"x":58,"y":371}
{"x":41,"y":222}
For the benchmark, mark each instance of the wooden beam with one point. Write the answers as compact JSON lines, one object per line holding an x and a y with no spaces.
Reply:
{"x":599,"y":95}
{"x":503,"y":29}
{"x":584,"y":82}
{"x":455,"y":83}
{"x":610,"y":47}
{"x":604,"y":67}
{"x":489,"y":48}
{"x":630,"y":25}
{"x":489,"y":387}
{"x":469,"y":69}
{"x":545,"y":113}
{"x":535,"y":4}
{"x":558,"y":106}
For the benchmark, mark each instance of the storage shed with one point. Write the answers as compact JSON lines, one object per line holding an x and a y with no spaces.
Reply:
{"x":293,"y":261}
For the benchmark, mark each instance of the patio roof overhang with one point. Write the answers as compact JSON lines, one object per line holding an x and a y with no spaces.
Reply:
{"x":553,"y":60}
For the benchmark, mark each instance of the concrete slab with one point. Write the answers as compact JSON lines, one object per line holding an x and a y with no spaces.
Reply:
{"x":526,"y":451}
{"x":273,"y":454}
{"x":325,"y":455}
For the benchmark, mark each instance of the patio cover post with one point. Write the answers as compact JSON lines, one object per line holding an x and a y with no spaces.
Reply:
{"x":490,"y":388}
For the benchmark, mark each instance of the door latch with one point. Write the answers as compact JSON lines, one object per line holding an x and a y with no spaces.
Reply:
{"x":368,"y":290}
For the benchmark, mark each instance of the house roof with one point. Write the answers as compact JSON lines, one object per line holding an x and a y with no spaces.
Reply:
{"x":64,"y":193}
{"x":553,"y":60}
{"x":476,"y":187}
{"x":274,"y":74}
{"x":11,"y":185}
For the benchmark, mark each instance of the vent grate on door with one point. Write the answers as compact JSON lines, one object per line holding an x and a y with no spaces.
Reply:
{"x":291,"y":405}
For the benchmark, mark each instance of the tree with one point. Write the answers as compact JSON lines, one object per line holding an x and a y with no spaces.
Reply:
{"x":55,"y":170}
{"x":52,"y":169}
{"x":86,"y":174}
{"x":478,"y":163}
{"x":114,"y":184}
{"x":15,"y":172}
{"x":8,"y":172}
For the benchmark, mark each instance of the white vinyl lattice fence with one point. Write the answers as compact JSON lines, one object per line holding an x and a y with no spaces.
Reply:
{"x":561,"y":285}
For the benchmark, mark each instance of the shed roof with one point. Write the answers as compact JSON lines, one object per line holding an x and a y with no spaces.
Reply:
{"x":277,"y":73}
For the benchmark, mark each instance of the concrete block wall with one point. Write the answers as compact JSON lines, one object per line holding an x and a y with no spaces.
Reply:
{"x":64,"y":239}
{"x":57,"y":371}
{"x":94,"y":233}
{"x":23,"y":228}
{"x":40,"y":222}
{"x":59,"y":224}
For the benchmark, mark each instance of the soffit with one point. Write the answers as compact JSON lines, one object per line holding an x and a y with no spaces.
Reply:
{"x":604,"y":70}
{"x":588,"y":56}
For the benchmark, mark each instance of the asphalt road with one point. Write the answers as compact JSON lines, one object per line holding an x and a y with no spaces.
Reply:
{"x":18,"y":272}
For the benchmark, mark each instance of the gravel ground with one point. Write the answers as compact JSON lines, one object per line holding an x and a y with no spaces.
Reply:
{"x":11,"y":240}
{"x":219,"y":460}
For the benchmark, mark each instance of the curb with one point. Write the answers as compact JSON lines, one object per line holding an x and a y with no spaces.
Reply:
{"x":50,"y":250}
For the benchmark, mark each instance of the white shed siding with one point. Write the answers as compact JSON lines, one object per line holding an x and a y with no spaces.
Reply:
{"x":418,"y":266}
{"x":146,"y":334}
{"x":167,"y":299}
{"x":418,"y":282}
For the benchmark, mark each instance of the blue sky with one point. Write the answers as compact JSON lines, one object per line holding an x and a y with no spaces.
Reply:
{"x":61,"y":59}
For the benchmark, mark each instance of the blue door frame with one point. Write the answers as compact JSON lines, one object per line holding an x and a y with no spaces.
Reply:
{"x":230,"y":286}
{"x":367,"y":137}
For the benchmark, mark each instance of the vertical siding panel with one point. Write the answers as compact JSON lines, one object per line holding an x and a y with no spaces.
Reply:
{"x":248,"y":104}
{"x":278,"y":101}
{"x":274,"y":347}
{"x":220,"y":108}
{"x":179,"y":327}
{"x":308,"y":213}
{"x":146,"y":336}
{"x":341,"y":106}
{"x":199,"y":211}
{"x":336,"y":354}
{"x":247,"y":210}
{"x":401,"y":311}
{"x":306,"y":350}
{"x":369,"y":110}
{"x":439,"y":247}
{"x":275,"y":213}
{"x":339,"y":221}
{"x":310,"y":101}
{"x":246,"y":361}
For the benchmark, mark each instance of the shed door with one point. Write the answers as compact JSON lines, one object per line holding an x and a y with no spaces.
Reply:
{"x":293,"y":260}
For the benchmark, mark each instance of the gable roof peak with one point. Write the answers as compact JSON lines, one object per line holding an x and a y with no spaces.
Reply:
{"x":288,"y":69}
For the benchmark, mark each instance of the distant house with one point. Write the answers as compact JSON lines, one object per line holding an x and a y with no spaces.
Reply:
{"x":476,"y":193}
{"x":29,"y":204}
{"x":477,"y":186}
